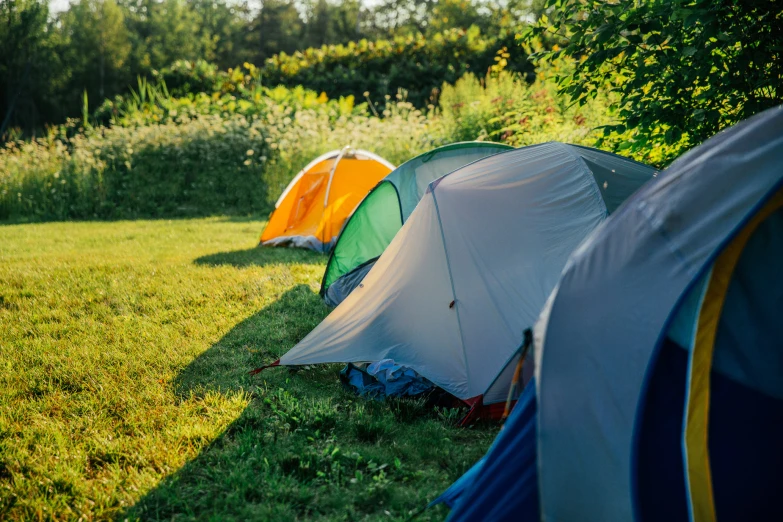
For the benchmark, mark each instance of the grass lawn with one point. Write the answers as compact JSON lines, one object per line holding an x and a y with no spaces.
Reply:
{"x":124,"y":393}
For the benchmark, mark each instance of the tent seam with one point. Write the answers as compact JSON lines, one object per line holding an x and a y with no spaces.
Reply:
{"x":453,"y":290}
{"x":423,"y":158}
{"x":323,"y":157}
{"x":331,"y":174}
{"x":596,"y":190}
{"x":612,"y":154}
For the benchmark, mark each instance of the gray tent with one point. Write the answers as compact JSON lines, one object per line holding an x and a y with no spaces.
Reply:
{"x":473,"y":265}
{"x":381,"y":214}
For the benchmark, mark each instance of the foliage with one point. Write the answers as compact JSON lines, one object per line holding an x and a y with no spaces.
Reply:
{"x":153,"y":154}
{"x":102,"y":46}
{"x":415,"y":63}
{"x":681,"y":70}
{"x":198,"y":155}
{"x":98,"y":25}
{"x":29,"y":66}
{"x":184,"y":77}
{"x":503,"y":107}
{"x":124,"y":390}
{"x":129,"y":172}
{"x":391,"y":18}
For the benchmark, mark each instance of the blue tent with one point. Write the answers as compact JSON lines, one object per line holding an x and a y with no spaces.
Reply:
{"x":658,"y":388}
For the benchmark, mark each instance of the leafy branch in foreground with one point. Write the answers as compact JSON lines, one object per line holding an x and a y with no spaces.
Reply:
{"x":681,"y":70}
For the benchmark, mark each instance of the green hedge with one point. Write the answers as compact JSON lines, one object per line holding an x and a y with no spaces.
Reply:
{"x":417,"y":64}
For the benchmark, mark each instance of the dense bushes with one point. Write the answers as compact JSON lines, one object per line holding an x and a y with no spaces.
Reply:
{"x":206,"y":165}
{"x":235,"y":150}
{"x":193,"y":156}
{"x":414,"y":63}
{"x":503,"y":107}
{"x":365,"y":68}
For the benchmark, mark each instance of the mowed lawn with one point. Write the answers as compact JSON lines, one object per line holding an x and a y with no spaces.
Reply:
{"x":124,"y":389}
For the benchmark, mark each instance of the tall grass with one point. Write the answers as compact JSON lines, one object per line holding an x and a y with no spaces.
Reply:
{"x":505,"y":108}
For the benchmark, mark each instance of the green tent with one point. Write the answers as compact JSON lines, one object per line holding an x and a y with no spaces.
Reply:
{"x":381,"y":214}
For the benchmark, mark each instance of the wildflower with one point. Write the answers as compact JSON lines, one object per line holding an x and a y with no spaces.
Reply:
{"x":250,"y":152}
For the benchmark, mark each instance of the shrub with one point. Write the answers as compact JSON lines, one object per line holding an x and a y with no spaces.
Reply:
{"x":195,"y":167}
{"x":503,"y":107}
{"x":233,"y":151}
{"x":414,"y":63}
{"x":190,"y":156}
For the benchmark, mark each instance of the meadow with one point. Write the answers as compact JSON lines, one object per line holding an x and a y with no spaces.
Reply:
{"x":125,"y":394}
{"x":134,"y":300}
{"x":126,"y":340}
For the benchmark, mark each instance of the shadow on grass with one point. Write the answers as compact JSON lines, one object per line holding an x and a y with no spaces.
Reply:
{"x":303,"y":448}
{"x":259,"y":256}
{"x":230,"y":478}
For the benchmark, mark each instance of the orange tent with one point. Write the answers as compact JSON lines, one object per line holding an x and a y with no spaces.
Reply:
{"x":313,"y":208}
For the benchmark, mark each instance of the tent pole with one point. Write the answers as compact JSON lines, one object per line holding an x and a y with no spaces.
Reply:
{"x":517,"y":373}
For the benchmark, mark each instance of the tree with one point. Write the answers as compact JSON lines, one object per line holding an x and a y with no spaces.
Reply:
{"x":278,"y":27}
{"x":96,"y":48}
{"x":345,"y":22}
{"x":317,"y":23}
{"x":174,"y":34}
{"x":456,"y":13}
{"x":28,"y":65}
{"x":681,"y":70}
{"x":226,"y":26}
{"x":395,"y":17}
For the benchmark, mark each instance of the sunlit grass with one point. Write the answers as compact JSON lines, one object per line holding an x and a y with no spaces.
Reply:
{"x":124,"y":352}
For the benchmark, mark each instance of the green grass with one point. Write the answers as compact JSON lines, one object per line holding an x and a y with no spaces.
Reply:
{"x":124,"y":393}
